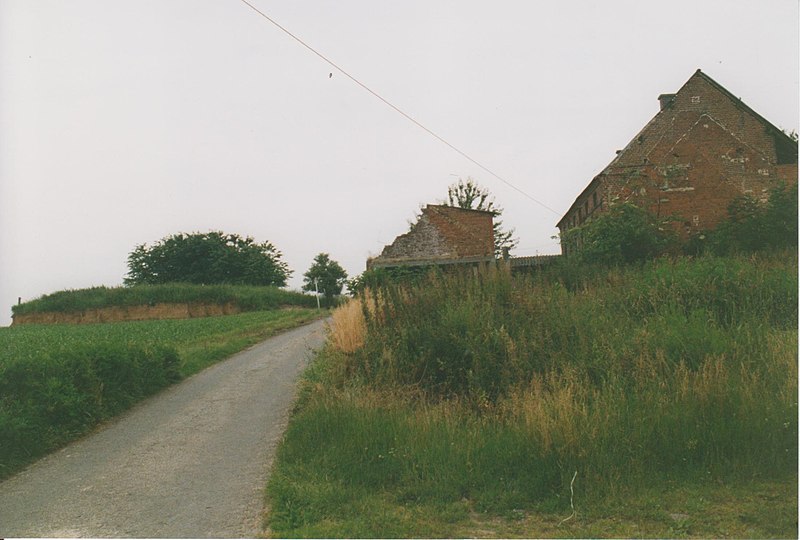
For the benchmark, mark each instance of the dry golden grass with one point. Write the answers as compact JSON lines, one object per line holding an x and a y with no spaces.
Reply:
{"x":348,"y":329}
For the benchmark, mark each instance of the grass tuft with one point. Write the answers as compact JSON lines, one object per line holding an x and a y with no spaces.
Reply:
{"x":348,"y":328}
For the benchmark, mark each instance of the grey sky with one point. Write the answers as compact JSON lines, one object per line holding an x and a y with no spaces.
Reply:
{"x":122,"y":122}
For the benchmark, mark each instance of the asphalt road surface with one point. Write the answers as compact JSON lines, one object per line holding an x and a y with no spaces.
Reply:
{"x":189,"y":462}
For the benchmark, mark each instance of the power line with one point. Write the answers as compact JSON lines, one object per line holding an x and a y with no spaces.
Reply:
{"x":395,"y":108}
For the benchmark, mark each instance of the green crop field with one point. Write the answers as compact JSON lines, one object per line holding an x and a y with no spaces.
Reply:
{"x":58,"y":381}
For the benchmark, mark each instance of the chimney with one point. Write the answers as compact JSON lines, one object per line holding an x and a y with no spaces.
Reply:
{"x":666,"y":100}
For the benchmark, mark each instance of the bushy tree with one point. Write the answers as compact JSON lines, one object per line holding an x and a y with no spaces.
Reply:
{"x":207,"y":258}
{"x":469,"y":195}
{"x":622,"y":235}
{"x":754,"y":226}
{"x":328,"y":274}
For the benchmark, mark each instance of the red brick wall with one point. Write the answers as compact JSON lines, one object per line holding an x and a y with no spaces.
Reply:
{"x":469,"y":232}
{"x":442,"y":234}
{"x":690,"y":161}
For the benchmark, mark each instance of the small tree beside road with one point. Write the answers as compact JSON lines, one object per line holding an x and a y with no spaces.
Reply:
{"x":326,"y":276}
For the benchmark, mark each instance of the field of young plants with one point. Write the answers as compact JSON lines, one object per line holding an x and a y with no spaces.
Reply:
{"x":59,"y":381}
{"x":530,"y":406}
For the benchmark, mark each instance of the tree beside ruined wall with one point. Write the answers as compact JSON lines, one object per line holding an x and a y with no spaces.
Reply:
{"x":469,"y":195}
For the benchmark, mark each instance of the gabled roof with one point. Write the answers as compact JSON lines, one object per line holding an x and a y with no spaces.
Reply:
{"x":785,"y":146}
{"x":666,"y":124}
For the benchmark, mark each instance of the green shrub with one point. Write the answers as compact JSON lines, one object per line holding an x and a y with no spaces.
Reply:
{"x":622,"y":235}
{"x":753,"y":226}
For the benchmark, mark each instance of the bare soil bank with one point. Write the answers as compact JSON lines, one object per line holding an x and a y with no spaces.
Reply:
{"x":129,"y":313}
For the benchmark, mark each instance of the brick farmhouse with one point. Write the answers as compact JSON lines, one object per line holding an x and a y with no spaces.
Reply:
{"x":442,"y":235}
{"x":702,"y":149}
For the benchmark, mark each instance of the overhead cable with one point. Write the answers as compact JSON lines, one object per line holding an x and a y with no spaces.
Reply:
{"x":395,"y":108}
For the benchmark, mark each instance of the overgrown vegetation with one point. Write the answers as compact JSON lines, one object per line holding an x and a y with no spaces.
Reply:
{"x":624,"y":234}
{"x":376,"y":278}
{"x":247,"y":298}
{"x":58,"y":381}
{"x":753,"y":225}
{"x":512,"y":397}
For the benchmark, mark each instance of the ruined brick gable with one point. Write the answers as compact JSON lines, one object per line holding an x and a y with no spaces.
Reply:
{"x":423,"y":240}
{"x":442,"y":235}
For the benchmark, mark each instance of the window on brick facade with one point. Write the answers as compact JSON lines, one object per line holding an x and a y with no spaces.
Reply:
{"x":594,"y":199}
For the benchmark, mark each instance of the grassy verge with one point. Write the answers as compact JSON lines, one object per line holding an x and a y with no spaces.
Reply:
{"x":661,"y":401}
{"x":59,"y":381}
{"x":689,"y":510}
{"x":247,"y":298}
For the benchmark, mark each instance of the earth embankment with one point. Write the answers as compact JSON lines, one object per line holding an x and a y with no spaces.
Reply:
{"x":129,"y":313}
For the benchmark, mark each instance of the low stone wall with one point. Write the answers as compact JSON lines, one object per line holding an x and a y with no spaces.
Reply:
{"x":128,"y":313}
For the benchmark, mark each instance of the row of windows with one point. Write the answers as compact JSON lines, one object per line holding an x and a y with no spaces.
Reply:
{"x":583,"y":210}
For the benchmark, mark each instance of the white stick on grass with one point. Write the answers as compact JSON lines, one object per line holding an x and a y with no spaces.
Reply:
{"x":571,"y":495}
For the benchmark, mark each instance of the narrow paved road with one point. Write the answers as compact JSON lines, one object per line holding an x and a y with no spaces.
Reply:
{"x":189,"y":462}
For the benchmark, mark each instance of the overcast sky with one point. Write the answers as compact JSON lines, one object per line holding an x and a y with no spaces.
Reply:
{"x":125,"y":121}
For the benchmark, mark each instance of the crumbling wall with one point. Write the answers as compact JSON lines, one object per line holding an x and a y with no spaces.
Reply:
{"x":424,"y":240}
{"x":443,"y":234}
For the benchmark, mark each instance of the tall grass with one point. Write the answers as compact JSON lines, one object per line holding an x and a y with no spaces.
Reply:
{"x":499,"y":390}
{"x":348,"y":328}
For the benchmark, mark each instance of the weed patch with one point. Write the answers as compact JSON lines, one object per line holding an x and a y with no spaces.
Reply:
{"x":491,"y":393}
